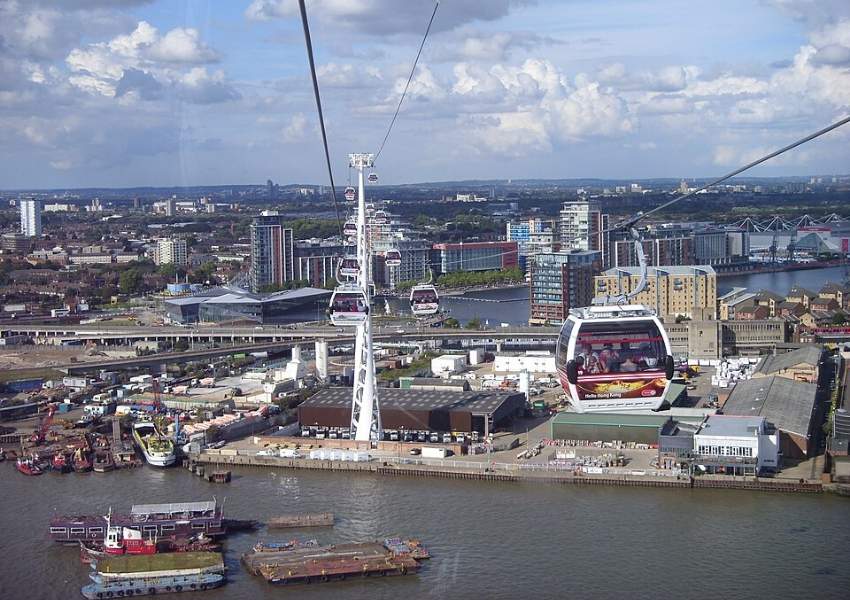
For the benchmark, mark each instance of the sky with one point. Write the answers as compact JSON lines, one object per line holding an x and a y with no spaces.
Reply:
{"x":123,"y":93}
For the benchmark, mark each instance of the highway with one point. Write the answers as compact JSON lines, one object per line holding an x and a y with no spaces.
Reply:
{"x":255,"y":339}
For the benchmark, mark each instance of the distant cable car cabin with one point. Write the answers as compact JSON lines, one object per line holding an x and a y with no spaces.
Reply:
{"x":349,"y":266}
{"x":392,"y":258}
{"x":349,"y":193}
{"x":373,"y":178}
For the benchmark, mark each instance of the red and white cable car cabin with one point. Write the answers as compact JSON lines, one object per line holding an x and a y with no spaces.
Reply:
{"x":613,"y":358}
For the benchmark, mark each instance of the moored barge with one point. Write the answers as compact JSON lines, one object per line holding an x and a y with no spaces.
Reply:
{"x":130,"y":575}
{"x":181,"y":520}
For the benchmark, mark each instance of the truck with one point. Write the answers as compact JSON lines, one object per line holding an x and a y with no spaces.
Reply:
{"x":432,"y":452}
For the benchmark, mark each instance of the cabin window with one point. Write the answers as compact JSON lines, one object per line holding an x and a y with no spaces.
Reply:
{"x":95,"y":529}
{"x":78,"y":530}
{"x":168,"y":527}
{"x":58,"y":530}
{"x":134,"y":528}
{"x":619,"y":347}
{"x":198,"y":526}
{"x":215,"y":524}
{"x":150,"y":528}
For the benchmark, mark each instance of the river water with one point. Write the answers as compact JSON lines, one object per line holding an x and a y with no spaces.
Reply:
{"x":489,"y":540}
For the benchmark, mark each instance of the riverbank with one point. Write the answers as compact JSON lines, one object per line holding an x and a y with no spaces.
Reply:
{"x":504,"y":472}
{"x":760,"y":268}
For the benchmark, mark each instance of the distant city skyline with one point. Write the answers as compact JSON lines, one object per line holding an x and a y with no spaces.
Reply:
{"x":126,"y":93}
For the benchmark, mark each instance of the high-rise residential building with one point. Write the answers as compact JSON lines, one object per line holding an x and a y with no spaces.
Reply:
{"x":710,"y":247}
{"x":272,"y":252}
{"x":31,"y":217}
{"x":171,"y":251}
{"x":170,"y":207}
{"x":531,"y":236}
{"x":561,"y":281}
{"x":671,"y":291}
{"x":581,"y":226}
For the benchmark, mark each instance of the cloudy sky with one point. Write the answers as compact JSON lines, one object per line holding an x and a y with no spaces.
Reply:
{"x":183,"y":92}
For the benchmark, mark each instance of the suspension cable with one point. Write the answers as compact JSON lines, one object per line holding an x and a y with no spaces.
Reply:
{"x":319,"y":107}
{"x":409,"y":79}
{"x":628,"y":223}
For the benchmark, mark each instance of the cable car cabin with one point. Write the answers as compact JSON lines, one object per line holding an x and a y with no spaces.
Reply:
{"x":349,"y":229}
{"x":349,"y":266}
{"x":614,"y":358}
{"x":349,"y":193}
{"x":349,"y":306}
{"x":424,"y":300}
{"x":392,"y":258}
{"x":373,"y":178}
{"x":380,"y":217}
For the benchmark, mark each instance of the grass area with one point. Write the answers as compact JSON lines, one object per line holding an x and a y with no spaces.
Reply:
{"x":413,"y":369}
{"x":18,"y":374}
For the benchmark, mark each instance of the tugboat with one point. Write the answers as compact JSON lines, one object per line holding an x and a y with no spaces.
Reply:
{"x":60,"y":463}
{"x":103,"y":461}
{"x":157,"y":449}
{"x":28,"y":466}
{"x":81,"y":461}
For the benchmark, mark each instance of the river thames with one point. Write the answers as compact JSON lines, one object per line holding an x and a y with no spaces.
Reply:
{"x":489,"y":540}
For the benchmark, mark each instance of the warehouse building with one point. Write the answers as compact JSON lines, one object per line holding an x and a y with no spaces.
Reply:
{"x":607,"y":427}
{"x":418,"y":409}
{"x":800,"y":365}
{"x":787,"y":404}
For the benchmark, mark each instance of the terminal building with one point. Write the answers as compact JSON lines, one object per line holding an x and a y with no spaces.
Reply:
{"x":418,"y":410}
{"x":230,"y":303}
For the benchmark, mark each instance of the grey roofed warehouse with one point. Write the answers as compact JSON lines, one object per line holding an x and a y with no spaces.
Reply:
{"x":789,"y":405}
{"x":417,"y":409}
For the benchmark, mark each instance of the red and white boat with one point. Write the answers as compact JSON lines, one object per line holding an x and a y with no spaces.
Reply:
{"x":60,"y":462}
{"x":28,"y":466}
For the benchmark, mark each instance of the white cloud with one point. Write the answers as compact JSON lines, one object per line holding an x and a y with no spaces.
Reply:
{"x":295,"y":129}
{"x":142,"y":63}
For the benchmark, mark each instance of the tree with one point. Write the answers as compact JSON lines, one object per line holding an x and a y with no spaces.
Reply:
{"x":452,"y":323}
{"x":130,"y":281}
{"x":839,"y":318}
{"x":474,"y":323}
{"x":168,"y":270}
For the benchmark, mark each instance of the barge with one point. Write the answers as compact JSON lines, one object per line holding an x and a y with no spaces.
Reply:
{"x":181,"y":520}
{"x":302,"y":520}
{"x":333,"y":563}
{"x":139,"y":575}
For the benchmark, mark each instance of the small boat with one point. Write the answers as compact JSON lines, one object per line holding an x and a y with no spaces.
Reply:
{"x":285,"y":546}
{"x":2,"y":455}
{"x":28,"y":466}
{"x":149,"y":586}
{"x":61,"y":463}
{"x":81,"y":461}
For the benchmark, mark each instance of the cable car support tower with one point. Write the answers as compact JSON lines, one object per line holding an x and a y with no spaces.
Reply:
{"x":365,"y":410}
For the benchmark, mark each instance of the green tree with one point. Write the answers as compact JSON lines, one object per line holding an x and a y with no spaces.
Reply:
{"x":839,"y":318}
{"x":451,"y":323}
{"x":168,"y":270}
{"x":130,"y":281}
{"x":474,"y":323}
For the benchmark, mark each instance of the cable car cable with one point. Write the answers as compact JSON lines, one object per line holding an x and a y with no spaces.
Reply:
{"x":319,"y":107}
{"x":409,"y":79}
{"x":629,"y":223}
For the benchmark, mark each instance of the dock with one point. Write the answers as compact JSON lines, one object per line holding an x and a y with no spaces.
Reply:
{"x":330,"y":563}
{"x":325,"y":519}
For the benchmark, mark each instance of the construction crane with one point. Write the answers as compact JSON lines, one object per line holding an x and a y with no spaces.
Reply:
{"x":40,"y":435}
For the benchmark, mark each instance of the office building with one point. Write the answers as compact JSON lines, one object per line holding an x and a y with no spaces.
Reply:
{"x":474,"y":256}
{"x":671,"y":291}
{"x":272,"y":252}
{"x":316,"y":260}
{"x":15,"y":243}
{"x":736,"y":445}
{"x":171,"y":251}
{"x":31,"y":218}
{"x":561,"y":281}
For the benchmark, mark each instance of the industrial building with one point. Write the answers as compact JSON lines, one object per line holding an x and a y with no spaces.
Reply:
{"x":418,"y":410}
{"x":787,"y":404}
{"x":606,"y":427}
{"x":800,"y":365}
{"x":230,"y":303}
{"x":533,"y":361}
